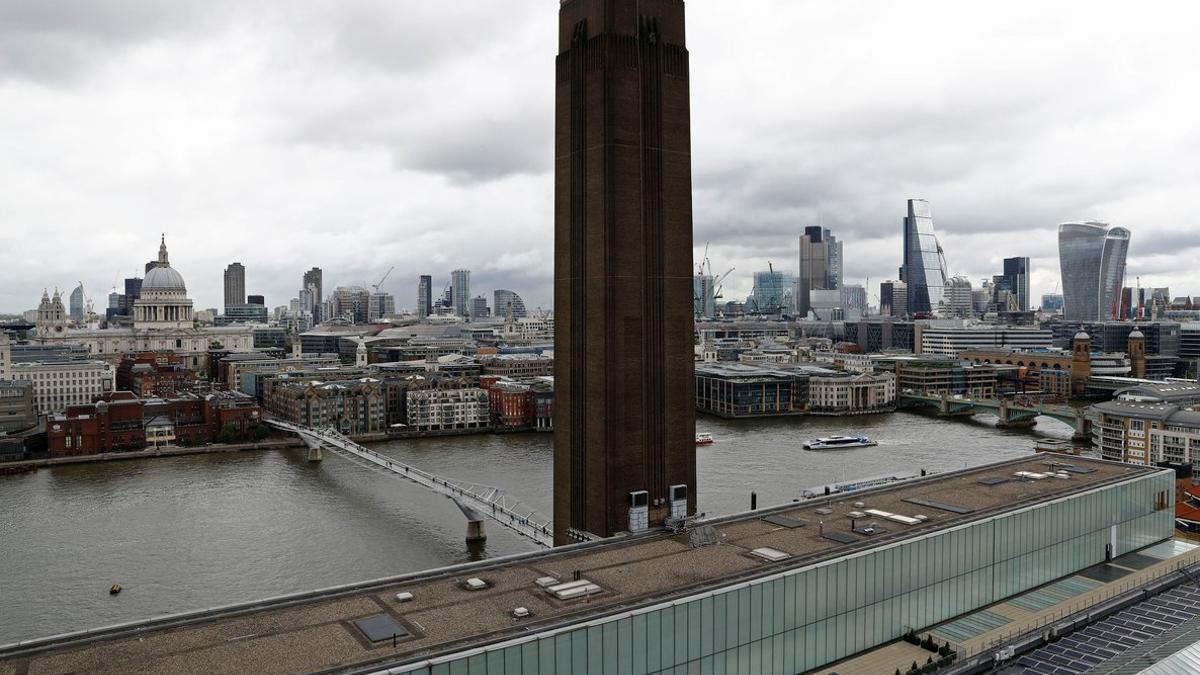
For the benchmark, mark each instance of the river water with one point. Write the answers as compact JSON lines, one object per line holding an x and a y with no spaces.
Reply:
{"x":194,"y":532}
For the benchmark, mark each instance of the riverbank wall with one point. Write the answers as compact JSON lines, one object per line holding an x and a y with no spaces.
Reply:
{"x":274,"y":444}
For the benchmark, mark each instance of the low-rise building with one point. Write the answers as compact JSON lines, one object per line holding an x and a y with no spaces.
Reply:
{"x":235,"y":368}
{"x":850,"y":362}
{"x":1147,"y":433}
{"x":935,"y":377}
{"x":154,"y":374}
{"x":60,"y":384}
{"x":746,"y":390}
{"x":543,"y":403}
{"x":517,"y":366}
{"x":510,"y":405}
{"x":1150,"y":424}
{"x":880,"y":334}
{"x":350,"y":406}
{"x":852,"y":394}
{"x":953,"y":341}
{"x":447,"y":405}
{"x":18,"y":410}
{"x":120,"y":421}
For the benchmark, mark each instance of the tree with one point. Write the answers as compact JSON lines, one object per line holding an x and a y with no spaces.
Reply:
{"x":261,"y":432}
{"x":227,"y":435}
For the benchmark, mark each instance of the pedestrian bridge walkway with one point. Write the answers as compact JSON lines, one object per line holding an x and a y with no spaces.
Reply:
{"x":474,"y":500}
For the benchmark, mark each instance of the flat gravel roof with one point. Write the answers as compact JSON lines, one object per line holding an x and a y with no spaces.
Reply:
{"x":319,"y":633}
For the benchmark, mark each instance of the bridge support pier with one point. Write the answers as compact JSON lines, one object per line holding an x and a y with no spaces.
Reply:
{"x":475,"y":531}
{"x":314,"y":454}
{"x":1026,"y":423}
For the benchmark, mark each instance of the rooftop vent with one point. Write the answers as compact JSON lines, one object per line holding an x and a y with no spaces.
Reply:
{"x":546,"y":582}
{"x":859,"y":505}
{"x":573,"y":589}
{"x":475,"y":584}
{"x":856,"y":514}
{"x":823,"y":511}
{"x":404,"y":597}
{"x":770,"y":554}
{"x":520,"y":612}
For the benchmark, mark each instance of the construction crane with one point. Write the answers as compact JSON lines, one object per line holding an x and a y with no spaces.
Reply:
{"x":718,"y":281}
{"x":385,"y":276}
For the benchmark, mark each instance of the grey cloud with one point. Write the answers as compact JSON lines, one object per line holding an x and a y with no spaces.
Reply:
{"x":55,"y":41}
{"x":361,"y":134}
{"x":482,"y":151}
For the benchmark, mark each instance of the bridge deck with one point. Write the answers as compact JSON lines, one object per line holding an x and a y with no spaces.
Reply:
{"x":316,"y":632}
{"x":476,"y":501}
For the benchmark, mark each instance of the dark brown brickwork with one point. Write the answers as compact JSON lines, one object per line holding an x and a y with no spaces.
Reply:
{"x":625,"y":412}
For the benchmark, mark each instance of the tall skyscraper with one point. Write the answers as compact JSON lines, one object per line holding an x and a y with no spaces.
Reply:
{"x":820,"y":266}
{"x":624,"y":446}
{"x":460,"y":284}
{"x":1016,"y":281}
{"x":1092,"y":257}
{"x":834,"y":261}
{"x":814,"y":267}
{"x":924,"y":269}
{"x":704,"y":296}
{"x":893,"y":298}
{"x":235,"y":285}
{"x":312,"y":282}
{"x":76,"y":303}
{"x":506,"y":301}
{"x":424,"y":296}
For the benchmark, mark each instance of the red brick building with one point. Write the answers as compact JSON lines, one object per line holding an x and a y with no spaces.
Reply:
{"x":510,"y":406}
{"x":104,"y":426}
{"x":154,"y":374}
{"x":120,"y":422}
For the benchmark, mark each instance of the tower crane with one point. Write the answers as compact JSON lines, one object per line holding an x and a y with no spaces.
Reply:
{"x":385,"y":276}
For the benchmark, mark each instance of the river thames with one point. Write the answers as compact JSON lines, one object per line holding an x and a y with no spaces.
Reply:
{"x":200,"y":531}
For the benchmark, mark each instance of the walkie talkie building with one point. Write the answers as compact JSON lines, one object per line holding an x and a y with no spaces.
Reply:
{"x":1092,"y":256}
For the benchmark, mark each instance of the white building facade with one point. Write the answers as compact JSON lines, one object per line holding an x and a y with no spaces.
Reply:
{"x":59,"y":384}
{"x":852,"y":394}
{"x":447,"y":409}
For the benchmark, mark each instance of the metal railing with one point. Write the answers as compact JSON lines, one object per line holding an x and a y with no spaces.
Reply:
{"x":475,"y":500}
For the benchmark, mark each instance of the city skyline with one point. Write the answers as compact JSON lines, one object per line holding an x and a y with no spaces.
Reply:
{"x":1004,"y":151}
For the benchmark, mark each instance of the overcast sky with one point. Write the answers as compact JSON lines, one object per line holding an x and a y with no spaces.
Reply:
{"x":356,"y":135}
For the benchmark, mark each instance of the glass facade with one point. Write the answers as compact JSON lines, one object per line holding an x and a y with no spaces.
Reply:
{"x":924,"y":263}
{"x":1092,"y":257}
{"x":805,"y":618}
{"x":772,"y":293}
{"x":1016,"y":280}
{"x":1112,"y":271}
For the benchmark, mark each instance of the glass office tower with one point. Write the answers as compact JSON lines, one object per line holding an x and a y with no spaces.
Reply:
{"x":924,"y":269}
{"x":1092,"y":257}
{"x":772,"y":293}
{"x":1016,"y":277}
